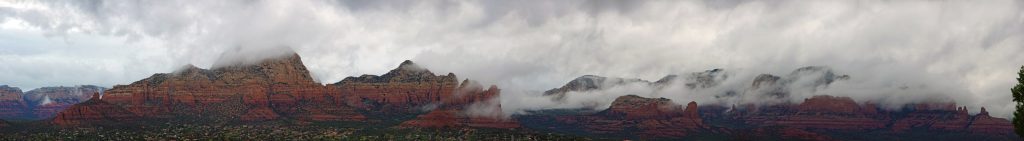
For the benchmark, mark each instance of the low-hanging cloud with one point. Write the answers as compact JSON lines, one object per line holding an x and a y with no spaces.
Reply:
{"x":964,"y":50}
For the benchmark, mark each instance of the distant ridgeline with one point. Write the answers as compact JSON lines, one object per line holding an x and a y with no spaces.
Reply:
{"x":821,"y":117}
{"x":412,"y":97}
{"x":41,"y":103}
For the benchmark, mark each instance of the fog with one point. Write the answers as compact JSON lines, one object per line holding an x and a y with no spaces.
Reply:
{"x":895,"y":52}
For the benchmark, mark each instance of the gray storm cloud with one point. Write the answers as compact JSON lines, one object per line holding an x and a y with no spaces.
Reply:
{"x":894,"y":51}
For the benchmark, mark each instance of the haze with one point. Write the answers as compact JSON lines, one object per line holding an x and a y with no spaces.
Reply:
{"x":895,"y":51}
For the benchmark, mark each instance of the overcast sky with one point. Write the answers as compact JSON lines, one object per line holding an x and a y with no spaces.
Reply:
{"x":967,"y":50}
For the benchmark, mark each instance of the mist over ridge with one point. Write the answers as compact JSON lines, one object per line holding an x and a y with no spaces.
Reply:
{"x":893,"y":51}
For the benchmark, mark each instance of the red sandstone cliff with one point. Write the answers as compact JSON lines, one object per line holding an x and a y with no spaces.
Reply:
{"x":842,"y":113}
{"x":805,"y":119}
{"x":983,"y":123}
{"x":282,"y":88}
{"x":412,"y":89}
{"x":470,"y":106}
{"x":402,"y":90}
{"x":12,"y":105}
{"x":46,"y":102}
{"x":651,"y":117}
{"x":93,"y":112}
{"x":824,"y":112}
{"x":268,"y":90}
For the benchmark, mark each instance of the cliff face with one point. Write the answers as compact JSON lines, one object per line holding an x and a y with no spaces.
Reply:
{"x":843,"y":114}
{"x":802,"y":120}
{"x":472,"y":106}
{"x":983,"y":123}
{"x":12,"y":105}
{"x":825,"y":112}
{"x":281,"y":88}
{"x":267,"y":90}
{"x":650,"y":117}
{"x":411,"y":89}
{"x":93,"y":112}
{"x":46,"y":102}
{"x":402,"y":90}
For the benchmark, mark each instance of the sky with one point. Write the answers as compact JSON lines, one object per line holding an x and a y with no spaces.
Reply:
{"x":962,"y":50}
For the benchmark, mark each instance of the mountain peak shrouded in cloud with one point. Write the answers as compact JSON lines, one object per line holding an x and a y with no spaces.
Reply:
{"x":962,"y":50}
{"x":241,"y":56}
{"x":407,"y":71}
{"x":721,"y":87}
{"x":590,"y":82}
{"x":685,"y":70}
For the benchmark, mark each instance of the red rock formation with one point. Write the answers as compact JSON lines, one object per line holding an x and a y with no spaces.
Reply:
{"x":823,"y":112}
{"x":469,"y":106}
{"x":651,"y":117}
{"x":267,"y":90}
{"x":813,"y":119}
{"x":410,"y":89}
{"x":45,"y":102}
{"x":454,"y":118}
{"x":636,"y":107}
{"x":403,"y":90}
{"x":829,"y":104}
{"x":983,"y":123}
{"x":435,"y":119}
{"x":842,"y":113}
{"x":93,"y":111}
{"x":12,"y":105}
{"x":933,"y":116}
{"x":282,"y":88}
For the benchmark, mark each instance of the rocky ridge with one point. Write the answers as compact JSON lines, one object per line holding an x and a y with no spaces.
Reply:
{"x":803,"y":120}
{"x":281,"y":88}
{"x":41,"y":103}
{"x":643,"y":117}
{"x":94,"y":112}
{"x":268,"y":90}
{"x":12,"y":104}
{"x":46,"y":102}
{"x":413,"y":89}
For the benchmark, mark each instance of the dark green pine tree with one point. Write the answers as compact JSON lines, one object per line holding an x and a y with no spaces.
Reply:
{"x":1018,"y":98}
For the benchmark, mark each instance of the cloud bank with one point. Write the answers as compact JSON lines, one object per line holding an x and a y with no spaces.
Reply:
{"x":965,"y":50}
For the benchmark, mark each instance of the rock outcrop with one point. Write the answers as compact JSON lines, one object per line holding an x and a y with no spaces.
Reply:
{"x":650,"y":117}
{"x":404,"y":90}
{"x":94,"y":112}
{"x":983,"y":123}
{"x":12,"y":104}
{"x":817,"y":117}
{"x":819,"y":112}
{"x":281,"y":88}
{"x":843,"y":114}
{"x":46,"y":102}
{"x":411,"y":89}
{"x":271,"y":89}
